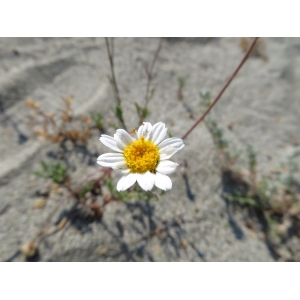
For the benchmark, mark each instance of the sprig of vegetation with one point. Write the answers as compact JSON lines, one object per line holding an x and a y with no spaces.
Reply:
{"x":181,"y":82}
{"x":61,"y":125}
{"x":119,"y":114}
{"x":142,"y":112}
{"x":251,"y":158}
{"x":57,"y":172}
{"x":97,"y":117}
{"x":275,"y":197}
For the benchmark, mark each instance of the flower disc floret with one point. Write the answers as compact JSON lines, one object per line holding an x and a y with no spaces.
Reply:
{"x":141,"y":156}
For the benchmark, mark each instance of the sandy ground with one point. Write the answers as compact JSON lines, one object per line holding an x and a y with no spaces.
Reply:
{"x":262,"y":104}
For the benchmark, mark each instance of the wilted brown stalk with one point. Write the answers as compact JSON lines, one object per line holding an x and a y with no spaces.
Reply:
{"x":110,"y":52}
{"x":223,"y":89}
{"x":149,"y":73}
{"x":109,"y":48}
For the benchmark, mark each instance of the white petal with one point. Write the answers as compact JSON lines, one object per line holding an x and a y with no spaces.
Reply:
{"x":126,"y":181}
{"x":109,"y":142}
{"x":166,"y":167}
{"x":124,"y":136}
{"x":113,"y":165}
{"x":123,"y":171}
{"x":159,"y":132}
{"x":111,"y":157}
{"x":167,"y":152}
{"x":169,"y":147}
{"x":119,"y":142}
{"x":174,"y":142}
{"x":146,"y":181}
{"x":162,"y":181}
{"x":145,"y":130}
{"x":120,"y":166}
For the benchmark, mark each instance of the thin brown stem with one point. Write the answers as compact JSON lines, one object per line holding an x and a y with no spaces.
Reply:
{"x":111,"y":62}
{"x":48,"y":220}
{"x":149,"y":73}
{"x":223,"y":89}
{"x":110,"y":52}
{"x":153,"y":195}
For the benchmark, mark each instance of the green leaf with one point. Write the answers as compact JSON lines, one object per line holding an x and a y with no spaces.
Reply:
{"x":44,"y":165}
{"x":151,"y":93}
{"x":146,"y":112}
{"x":98,"y":119}
{"x":37,"y":173}
{"x":251,"y":158}
{"x":138,"y":109}
{"x":88,"y":187}
{"x":119,"y":113}
{"x":55,"y":171}
{"x":181,"y":81}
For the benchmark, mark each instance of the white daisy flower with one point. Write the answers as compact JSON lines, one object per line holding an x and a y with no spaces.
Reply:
{"x":142,"y":156}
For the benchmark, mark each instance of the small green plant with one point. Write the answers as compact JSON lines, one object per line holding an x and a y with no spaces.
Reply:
{"x":265,"y":192}
{"x":119,"y":113}
{"x":288,"y":176}
{"x":143,"y":112}
{"x":275,"y":197}
{"x":212,"y":125}
{"x":98,"y":120}
{"x":217,"y":134}
{"x":57,"y":172}
{"x":242,"y":199}
{"x":85,"y":189}
{"x":251,"y":158}
{"x":205,"y":97}
{"x":181,"y":82}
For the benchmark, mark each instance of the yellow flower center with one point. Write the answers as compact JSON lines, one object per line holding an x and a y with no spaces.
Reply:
{"x":141,"y":156}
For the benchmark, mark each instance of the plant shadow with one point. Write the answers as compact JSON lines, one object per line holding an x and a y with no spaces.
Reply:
{"x":234,"y":186}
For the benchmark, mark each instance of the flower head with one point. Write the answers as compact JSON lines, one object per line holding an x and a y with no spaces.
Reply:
{"x":142,"y":156}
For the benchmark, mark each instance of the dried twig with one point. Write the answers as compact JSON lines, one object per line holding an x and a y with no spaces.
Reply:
{"x":110,"y":50}
{"x":223,"y":89}
{"x":149,"y":73}
{"x":113,"y":81}
{"x":48,"y":220}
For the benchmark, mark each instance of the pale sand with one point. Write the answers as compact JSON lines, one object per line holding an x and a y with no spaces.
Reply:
{"x":262,"y":103}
